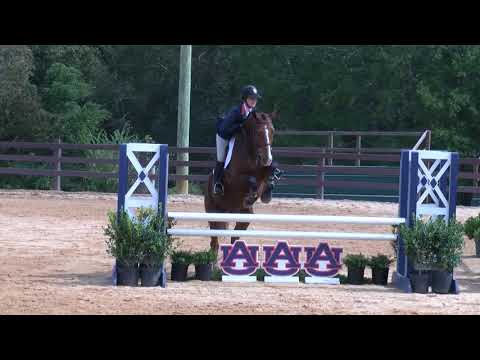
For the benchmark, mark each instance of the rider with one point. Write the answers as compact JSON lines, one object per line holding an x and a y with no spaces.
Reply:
{"x":227,"y":126}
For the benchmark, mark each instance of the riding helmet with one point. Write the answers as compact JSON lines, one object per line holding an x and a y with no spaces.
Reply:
{"x":250,"y":91}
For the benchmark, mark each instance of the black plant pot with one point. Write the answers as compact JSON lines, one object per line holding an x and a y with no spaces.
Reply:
{"x":179,"y":272}
{"x":127,"y":275}
{"x":380,"y":276}
{"x":477,"y":248}
{"x":203,"y":272}
{"x":420,"y":282}
{"x":441,"y":282}
{"x":356,"y":276}
{"x":150,"y":274}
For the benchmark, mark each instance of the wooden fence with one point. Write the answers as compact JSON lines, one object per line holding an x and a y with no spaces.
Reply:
{"x":310,"y":167}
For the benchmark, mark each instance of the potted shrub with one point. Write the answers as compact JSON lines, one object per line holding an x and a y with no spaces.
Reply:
{"x":156,"y":245}
{"x":124,"y":245}
{"x":380,"y":266}
{"x":448,"y":245}
{"x":204,"y":261}
{"x":180,"y":262}
{"x":476,"y":237}
{"x":472,"y":226}
{"x":419,"y":248}
{"x":356,"y":268}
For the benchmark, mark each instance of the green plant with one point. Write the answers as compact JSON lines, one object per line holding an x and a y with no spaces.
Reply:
{"x":123,"y":238}
{"x":433,"y":243}
{"x":301,"y":275}
{"x":471,"y":226}
{"x":119,"y":136}
{"x":355,"y":261}
{"x":182,"y":257}
{"x":138,"y":239}
{"x":204,"y":257}
{"x":260,"y":274}
{"x":476,"y":235}
{"x":379,"y":262}
{"x":343,"y":279}
{"x":448,"y":243}
{"x":217,"y":274}
{"x":156,"y":244}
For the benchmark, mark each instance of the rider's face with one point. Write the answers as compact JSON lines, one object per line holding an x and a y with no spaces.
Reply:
{"x":251,"y":102}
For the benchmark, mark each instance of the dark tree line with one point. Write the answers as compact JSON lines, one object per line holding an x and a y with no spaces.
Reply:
{"x":82,"y":93}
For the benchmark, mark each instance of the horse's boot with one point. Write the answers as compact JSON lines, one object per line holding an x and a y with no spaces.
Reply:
{"x":217,"y":179}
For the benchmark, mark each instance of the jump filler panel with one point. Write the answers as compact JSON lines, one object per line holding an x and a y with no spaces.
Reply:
{"x":281,"y":263}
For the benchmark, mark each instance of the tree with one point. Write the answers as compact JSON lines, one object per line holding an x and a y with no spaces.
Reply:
{"x":21,"y":117}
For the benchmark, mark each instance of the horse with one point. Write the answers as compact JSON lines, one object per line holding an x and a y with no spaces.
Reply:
{"x":248,"y":176}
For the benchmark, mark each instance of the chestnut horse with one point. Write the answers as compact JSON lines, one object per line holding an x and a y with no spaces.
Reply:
{"x":248,"y":176}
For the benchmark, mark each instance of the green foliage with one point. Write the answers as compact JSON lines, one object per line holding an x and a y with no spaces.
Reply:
{"x":260,"y":274}
{"x":119,"y":136}
{"x":433,"y":243}
{"x":217,"y":274}
{"x":471,"y":226}
{"x":379,"y":262}
{"x":21,"y":115}
{"x":124,"y":238}
{"x":476,"y":235}
{"x":355,"y":261}
{"x":89,"y":93}
{"x":448,"y":245}
{"x":182,"y":257}
{"x":66,"y":98}
{"x":204,"y":257}
{"x":156,"y":243}
{"x":141,"y":239}
{"x":302,"y":275}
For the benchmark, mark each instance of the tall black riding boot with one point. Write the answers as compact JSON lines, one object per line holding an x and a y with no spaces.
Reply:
{"x":217,"y":178}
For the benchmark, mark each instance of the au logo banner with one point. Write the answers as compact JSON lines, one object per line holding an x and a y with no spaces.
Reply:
{"x":281,"y":262}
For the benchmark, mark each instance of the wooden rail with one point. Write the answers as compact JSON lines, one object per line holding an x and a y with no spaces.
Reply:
{"x":307,"y":166}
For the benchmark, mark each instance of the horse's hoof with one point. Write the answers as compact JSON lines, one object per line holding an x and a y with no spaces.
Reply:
{"x":266,"y":199}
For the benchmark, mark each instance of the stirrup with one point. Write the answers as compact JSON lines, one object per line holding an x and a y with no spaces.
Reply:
{"x":218,"y":189}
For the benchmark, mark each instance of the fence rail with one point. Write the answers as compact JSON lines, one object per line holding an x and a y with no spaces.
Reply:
{"x":320,"y":169}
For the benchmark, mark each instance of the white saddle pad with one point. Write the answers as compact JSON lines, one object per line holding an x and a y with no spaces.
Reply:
{"x":230,"y":152}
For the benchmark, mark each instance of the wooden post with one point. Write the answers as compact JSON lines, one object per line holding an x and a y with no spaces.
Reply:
{"x":476,"y":169}
{"x":359,"y":149}
{"x":330,"y":145}
{"x":58,"y":166}
{"x":323,"y":163}
{"x":183,"y":129}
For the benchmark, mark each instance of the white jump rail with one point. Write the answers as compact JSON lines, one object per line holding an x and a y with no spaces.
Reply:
{"x":299,"y":219}
{"x":282,"y":234}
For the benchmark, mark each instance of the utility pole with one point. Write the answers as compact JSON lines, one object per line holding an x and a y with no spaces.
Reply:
{"x":183,"y":129}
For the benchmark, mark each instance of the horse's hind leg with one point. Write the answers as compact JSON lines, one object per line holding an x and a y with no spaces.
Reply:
{"x":242,"y":225}
{"x":215,"y":225}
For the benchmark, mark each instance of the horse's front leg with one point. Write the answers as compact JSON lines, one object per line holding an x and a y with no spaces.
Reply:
{"x":216,"y":225}
{"x":252,"y":195}
{"x":269,"y":179}
{"x":242,"y":225}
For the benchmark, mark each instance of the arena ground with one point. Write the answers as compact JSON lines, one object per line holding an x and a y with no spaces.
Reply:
{"x":53,"y":261}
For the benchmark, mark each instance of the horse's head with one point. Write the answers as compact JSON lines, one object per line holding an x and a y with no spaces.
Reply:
{"x":260,"y":130}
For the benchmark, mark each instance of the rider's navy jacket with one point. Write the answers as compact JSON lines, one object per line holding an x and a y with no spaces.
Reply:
{"x":231,"y":122}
